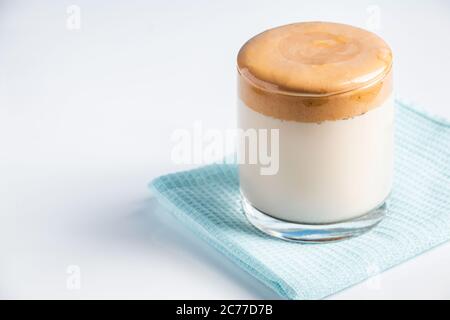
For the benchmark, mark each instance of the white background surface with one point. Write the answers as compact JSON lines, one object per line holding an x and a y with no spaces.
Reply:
{"x":86,"y":118}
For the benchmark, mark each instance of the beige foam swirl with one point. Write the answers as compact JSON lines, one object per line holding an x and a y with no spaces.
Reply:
{"x":315,"y":71}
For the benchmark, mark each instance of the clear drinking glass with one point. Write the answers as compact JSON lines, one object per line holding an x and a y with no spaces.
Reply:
{"x":315,"y":112}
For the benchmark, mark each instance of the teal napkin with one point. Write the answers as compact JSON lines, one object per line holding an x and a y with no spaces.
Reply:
{"x":206,"y":200}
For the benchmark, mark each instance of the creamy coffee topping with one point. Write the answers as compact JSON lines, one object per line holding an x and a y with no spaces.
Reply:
{"x":314,"y":71}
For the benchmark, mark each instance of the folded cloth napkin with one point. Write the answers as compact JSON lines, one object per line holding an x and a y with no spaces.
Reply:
{"x":206,"y":200}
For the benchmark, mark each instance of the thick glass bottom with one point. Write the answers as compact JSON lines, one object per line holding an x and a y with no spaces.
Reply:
{"x":313,"y":233}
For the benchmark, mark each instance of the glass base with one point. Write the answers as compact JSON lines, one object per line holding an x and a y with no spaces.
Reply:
{"x":313,"y":233}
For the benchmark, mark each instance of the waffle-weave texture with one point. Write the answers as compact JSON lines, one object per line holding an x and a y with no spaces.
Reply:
{"x":207,"y":201}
